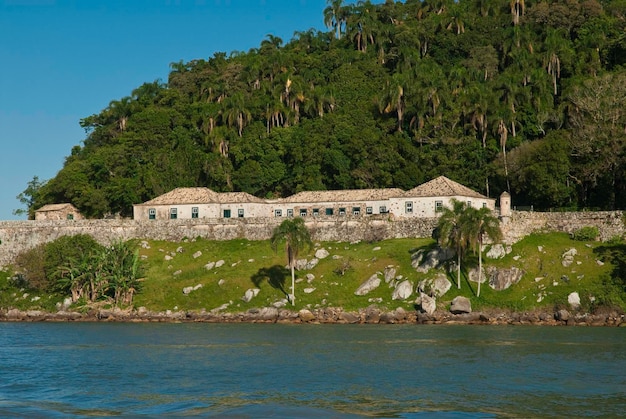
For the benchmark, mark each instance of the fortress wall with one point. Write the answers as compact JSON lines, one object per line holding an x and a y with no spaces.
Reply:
{"x":17,"y":236}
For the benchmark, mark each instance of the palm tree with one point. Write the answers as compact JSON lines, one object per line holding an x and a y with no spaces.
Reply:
{"x":297,"y":238}
{"x":451,"y":233}
{"x":477,"y":224}
{"x":335,"y":16}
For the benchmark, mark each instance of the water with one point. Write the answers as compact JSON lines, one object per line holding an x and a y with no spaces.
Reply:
{"x":284,"y":371}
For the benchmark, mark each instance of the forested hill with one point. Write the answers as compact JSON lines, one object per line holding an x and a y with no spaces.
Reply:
{"x":498,"y":95}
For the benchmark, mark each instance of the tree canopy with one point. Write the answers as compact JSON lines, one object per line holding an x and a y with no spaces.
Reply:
{"x":518,"y":96}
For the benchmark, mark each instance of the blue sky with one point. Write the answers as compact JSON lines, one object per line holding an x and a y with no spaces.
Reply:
{"x":63,"y":60}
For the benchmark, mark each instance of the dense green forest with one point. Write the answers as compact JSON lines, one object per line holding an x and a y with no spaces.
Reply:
{"x":524,"y":96}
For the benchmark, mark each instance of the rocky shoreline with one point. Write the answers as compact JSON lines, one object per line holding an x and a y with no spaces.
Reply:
{"x":370,"y":315}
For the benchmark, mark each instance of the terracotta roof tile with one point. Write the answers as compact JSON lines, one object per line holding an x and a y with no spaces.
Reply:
{"x":350,"y":195}
{"x":182,"y":196}
{"x":442,"y":186}
{"x":55,"y":207}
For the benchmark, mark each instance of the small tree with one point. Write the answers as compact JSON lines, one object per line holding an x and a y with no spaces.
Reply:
{"x":296,"y":237}
{"x":478,"y":223}
{"x":451,"y":233}
{"x":29,"y":197}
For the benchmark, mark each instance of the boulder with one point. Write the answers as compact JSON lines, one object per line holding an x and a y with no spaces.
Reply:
{"x":300,"y":264}
{"x":427,"y":303}
{"x":424,"y":262}
{"x":568,"y":257}
{"x":496,"y":251}
{"x":219,"y":263}
{"x":306,"y":315}
{"x":436,"y":287}
{"x":350,"y":318}
{"x":308,"y":290}
{"x":390,"y":274}
{"x":574,"y":300}
{"x":501,"y":279}
{"x":473,"y":275}
{"x":167,"y":257}
{"x":562,"y":315}
{"x":402,"y":291}
{"x":460,"y":305}
{"x":372,"y":315}
{"x":197,"y":254}
{"x":369,"y":285}
{"x":321,"y":254}
{"x":209,"y":266}
{"x":309,"y":278}
{"x":311,"y":264}
{"x":250,"y":294}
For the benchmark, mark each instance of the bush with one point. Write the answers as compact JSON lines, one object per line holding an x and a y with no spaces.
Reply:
{"x":586,"y":234}
{"x":65,"y":250}
{"x":30,"y":268}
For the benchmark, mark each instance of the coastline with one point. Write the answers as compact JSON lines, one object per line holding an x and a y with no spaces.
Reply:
{"x":370,"y":315}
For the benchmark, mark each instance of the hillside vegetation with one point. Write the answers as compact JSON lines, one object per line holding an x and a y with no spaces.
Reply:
{"x":524,"y":96}
{"x":596,"y":274}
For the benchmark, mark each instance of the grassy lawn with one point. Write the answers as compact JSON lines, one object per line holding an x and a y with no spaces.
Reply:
{"x":170,"y":267}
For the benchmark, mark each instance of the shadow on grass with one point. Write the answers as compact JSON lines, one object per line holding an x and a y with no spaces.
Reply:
{"x":275,"y":275}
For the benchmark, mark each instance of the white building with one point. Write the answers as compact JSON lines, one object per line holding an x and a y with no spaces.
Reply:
{"x":424,"y":201}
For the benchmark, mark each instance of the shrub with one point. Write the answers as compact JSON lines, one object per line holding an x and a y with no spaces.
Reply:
{"x":65,"y":250}
{"x":585,"y":234}
{"x":30,"y":268}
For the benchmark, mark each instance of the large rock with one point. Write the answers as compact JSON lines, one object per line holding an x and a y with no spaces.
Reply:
{"x":574,"y":300}
{"x":473,"y":275}
{"x":402,"y":291}
{"x":436,"y":286}
{"x":372,"y":315}
{"x":498,"y":251}
{"x":371,"y":284}
{"x":424,"y":261}
{"x":312,"y":264}
{"x":501,"y":279}
{"x":306,"y":315}
{"x":348,"y":317}
{"x":300,"y":264}
{"x":568,"y":257}
{"x":321,"y":254}
{"x":460,"y":305}
{"x":427,"y":303}
{"x":250,"y":294}
{"x":390,"y":274}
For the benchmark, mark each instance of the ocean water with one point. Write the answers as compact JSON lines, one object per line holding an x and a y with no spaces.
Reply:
{"x":309,"y":371}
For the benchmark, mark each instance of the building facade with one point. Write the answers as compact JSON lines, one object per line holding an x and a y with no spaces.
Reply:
{"x":424,"y":201}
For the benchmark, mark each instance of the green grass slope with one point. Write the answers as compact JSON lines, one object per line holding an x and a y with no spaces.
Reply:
{"x":596,"y":273}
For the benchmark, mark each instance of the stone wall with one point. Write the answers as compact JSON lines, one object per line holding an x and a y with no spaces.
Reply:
{"x":523,"y":223}
{"x":17,"y":236}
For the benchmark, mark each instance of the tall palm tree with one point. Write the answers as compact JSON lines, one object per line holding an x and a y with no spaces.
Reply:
{"x":297,"y":238}
{"x":477,"y":224}
{"x":451,"y":232}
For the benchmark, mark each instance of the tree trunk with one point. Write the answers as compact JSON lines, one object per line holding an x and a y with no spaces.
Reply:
{"x":480,"y":264}
{"x":458,"y":268}
{"x":293,"y":286}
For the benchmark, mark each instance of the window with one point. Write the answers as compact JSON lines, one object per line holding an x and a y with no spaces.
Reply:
{"x":329,"y":211}
{"x":289,"y":213}
{"x":194,"y":212}
{"x":173,"y":213}
{"x":382,"y":209}
{"x":302,"y":212}
{"x":356,"y":210}
{"x":438,"y":206}
{"x":408,"y":207}
{"x":369,"y":210}
{"x":279,"y":213}
{"x":484,"y":205}
{"x":70,"y":216}
{"x":226,"y":213}
{"x":152,"y":214}
{"x":469,"y":204}
{"x":240,"y":213}
{"x":342,"y":211}
{"x":316,"y":212}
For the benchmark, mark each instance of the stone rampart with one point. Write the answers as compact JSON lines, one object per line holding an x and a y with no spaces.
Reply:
{"x":17,"y":236}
